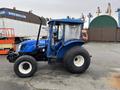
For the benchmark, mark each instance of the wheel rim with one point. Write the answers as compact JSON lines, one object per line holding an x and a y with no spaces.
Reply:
{"x":25,"y":67}
{"x":79,"y":60}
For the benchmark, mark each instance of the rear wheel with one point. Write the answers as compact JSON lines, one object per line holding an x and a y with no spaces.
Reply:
{"x":25,"y":66}
{"x":77,"y":60}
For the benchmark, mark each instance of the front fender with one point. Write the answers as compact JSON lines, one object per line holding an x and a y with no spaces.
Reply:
{"x":67,"y":45}
{"x":28,"y":48}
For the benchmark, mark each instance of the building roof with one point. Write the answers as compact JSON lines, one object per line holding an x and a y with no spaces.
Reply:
{"x":70,"y":21}
{"x":103,"y":22}
{"x":21,"y":16}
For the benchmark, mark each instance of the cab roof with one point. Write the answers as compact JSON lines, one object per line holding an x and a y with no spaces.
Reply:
{"x":68,"y":21}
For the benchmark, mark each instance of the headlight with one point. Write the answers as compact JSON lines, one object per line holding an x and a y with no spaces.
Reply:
{"x":43,"y":50}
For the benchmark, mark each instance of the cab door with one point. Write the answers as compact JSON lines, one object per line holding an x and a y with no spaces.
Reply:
{"x":57,"y":37}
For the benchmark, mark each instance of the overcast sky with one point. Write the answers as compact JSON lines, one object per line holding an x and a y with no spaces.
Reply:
{"x":62,"y":8}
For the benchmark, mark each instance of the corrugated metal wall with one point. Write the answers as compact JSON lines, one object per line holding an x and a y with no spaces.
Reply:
{"x":104,"y":35}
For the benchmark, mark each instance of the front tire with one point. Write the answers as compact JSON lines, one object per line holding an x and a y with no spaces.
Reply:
{"x":25,"y":66}
{"x":77,"y":60}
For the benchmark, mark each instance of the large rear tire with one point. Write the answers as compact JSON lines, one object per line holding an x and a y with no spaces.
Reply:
{"x":25,"y":66}
{"x":77,"y":60}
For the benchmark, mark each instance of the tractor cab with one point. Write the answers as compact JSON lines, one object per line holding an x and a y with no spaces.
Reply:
{"x":66,"y":29}
{"x":63,"y":45}
{"x":63,"y":32}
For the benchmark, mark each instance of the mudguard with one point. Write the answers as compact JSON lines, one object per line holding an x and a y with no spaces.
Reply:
{"x":67,"y":45}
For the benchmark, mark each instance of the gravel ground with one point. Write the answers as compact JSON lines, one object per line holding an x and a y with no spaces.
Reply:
{"x":103,"y":73}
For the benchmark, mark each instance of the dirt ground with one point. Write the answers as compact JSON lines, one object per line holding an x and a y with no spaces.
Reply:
{"x":103,"y":73}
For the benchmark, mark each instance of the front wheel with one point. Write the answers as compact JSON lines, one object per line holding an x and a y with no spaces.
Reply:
{"x":25,"y":66}
{"x":77,"y":60}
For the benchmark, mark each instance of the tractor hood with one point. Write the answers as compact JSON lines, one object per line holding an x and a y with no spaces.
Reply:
{"x":30,"y":45}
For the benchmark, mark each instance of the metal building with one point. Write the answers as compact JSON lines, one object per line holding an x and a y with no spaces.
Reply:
{"x":103,"y":28}
{"x":118,"y":10}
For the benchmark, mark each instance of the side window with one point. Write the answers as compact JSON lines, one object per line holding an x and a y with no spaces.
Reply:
{"x":72,"y":32}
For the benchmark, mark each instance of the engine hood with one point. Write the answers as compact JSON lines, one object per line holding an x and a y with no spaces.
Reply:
{"x":33,"y":42}
{"x":30,"y":45}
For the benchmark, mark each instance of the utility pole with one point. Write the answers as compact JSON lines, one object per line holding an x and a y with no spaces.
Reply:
{"x":83,"y":17}
{"x":89,"y":18}
{"x":98,"y":11}
{"x":109,"y":10}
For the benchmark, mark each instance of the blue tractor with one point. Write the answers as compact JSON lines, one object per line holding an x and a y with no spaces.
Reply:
{"x":63,"y":45}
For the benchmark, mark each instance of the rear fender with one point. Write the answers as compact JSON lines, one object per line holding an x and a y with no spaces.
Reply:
{"x":68,"y":45}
